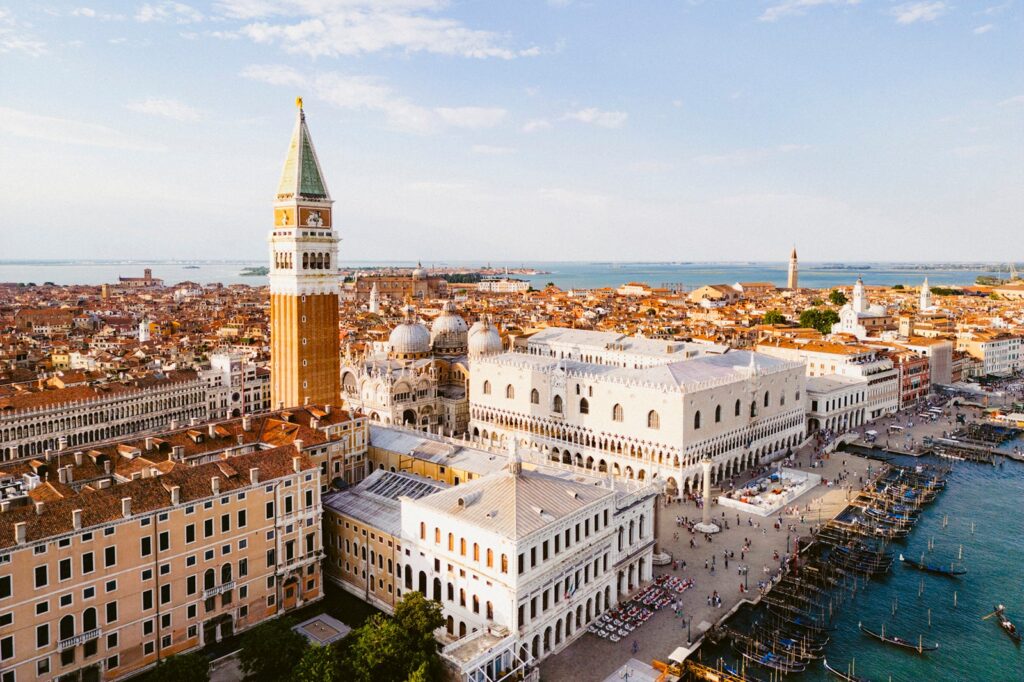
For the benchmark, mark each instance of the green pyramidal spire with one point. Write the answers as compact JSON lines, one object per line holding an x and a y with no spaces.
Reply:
{"x":301,"y":177}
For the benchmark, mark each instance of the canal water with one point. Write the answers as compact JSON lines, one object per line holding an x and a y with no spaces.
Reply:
{"x":970,"y":649}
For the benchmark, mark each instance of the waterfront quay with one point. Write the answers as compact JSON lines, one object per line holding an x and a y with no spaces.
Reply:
{"x":594,"y":658}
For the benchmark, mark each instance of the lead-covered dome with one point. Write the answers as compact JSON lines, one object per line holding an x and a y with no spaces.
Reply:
{"x":410,"y":339}
{"x":449,"y":333}
{"x":484,"y":338}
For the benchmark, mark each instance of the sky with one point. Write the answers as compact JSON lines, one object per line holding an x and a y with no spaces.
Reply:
{"x":454,"y":130}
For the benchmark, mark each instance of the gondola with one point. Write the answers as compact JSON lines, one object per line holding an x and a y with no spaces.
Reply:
{"x":918,"y":647}
{"x":932,"y":568}
{"x":1006,"y":624}
{"x":844,"y":676}
{"x":773,"y":662}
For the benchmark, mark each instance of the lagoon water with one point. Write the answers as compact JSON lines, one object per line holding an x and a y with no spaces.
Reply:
{"x":970,"y":649}
{"x":563,"y":274}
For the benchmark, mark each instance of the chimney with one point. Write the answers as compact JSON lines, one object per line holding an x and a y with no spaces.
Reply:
{"x":305,"y":400}
{"x":246,"y":423}
{"x":175,"y":495}
{"x":254,"y":475}
{"x":327,"y":408}
{"x":106,"y":466}
{"x":194,"y":421}
{"x":149,"y":443}
{"x":126,"y":507}
{"x":211,"y":431}
{"x":215,"y":485}
{"x":76,"y":519}
{"x":240,"y":439}
{"x":298,"y":444}
{"x":280,"y":404}
{"x":62,"y":475}
{"x":48,"y":455}
{"x":78,"y":458}
{"x":20,"y":531}
{"x":314,"y":423}
{"x":71,"y":474}
{"x":39,"y":507}
{"x":296,"y":464}
{"x":174,"y":425}
{"x":178,"y":452}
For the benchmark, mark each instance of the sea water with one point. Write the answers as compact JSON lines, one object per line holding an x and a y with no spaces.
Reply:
{"x":563,"y":274}
{"x":981,"y":497}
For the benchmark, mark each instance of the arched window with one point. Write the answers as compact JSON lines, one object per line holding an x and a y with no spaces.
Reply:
{"x":327,"y":261}
{"x":535,"y":397}
{"x":766,"y":398}
{"x":305,"y":261}
{"x":451,"y":542}
{"x":423,"y":531}
{"x":557,"y":404}
{"x":462,"y":546}
{"x":696,"y":419}
{"x":209,"y":578}
{"x":67,"y":627}
{"x":718,"y":413}
{"x":510,"y":392}
{"x":490,"y":558}
{"x":753,"y":409}
{"x":487,"y":388}
{"x":737,"y":407}
{"x":798,"y":395}
{"x":89,"y":620}
{"x":653,"y":420}
{"x":782,"y":399}
{"x":617,"y":412}
{"x":584,"y":406}
{"x":225,"y":574}
{"x":504,"y":563}
{"x":476,"y":551}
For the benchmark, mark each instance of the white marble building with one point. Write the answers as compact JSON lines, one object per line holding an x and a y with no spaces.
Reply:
{"x":639,"y":408}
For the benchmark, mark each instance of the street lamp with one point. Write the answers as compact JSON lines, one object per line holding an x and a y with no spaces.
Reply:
{"x":689,"y":639}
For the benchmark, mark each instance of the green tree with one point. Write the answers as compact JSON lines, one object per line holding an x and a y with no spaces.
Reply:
{"x":420,"y":674}
{"x":191,"y":667}
{"x":818,"y":318}
{"x":897,"y":286}
{"x":836,"y":297}
{"x":774,"y":317}
{"x":395,"y":649}
{"x":271,"y":650}
{"x":318,"y":664}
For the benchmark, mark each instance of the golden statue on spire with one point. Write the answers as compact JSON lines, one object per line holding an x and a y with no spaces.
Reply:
{"x":298,"y":102}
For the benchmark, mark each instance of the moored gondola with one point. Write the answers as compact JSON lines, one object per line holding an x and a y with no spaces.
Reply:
{"x":847,"y":677}
{"x":900,"y":642}
{"x":1005,"y":623}
{"x":933,"y":568}
{"x":774,"y":662}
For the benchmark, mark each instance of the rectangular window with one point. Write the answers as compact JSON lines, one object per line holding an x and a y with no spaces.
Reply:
{"x":64,"y":569}
{"x":42,"y":578}
{"x":225,"y":523}
{"x":5,"y":586}
{"x":270,"y":509}
{"x":109,"y":557}
{"x":190,"y":585}
{"x":112,"y":640}
{"x":112,"y":612}
{"x":42,"y":607}
{"x":288,"y":504}
{"x":42,"y":635}
{"x":165,"y":594}
{"x":270,"y":558}
{"x":146,"y":544}
{"x":207,"y":528}
{"x":147,"y":600}
{"x":88,"y":565}
{"x":241,"y":518}
{"x":113,"y":662}
{"x":165,"y":541}
{"x":243,"y":568}
{"x":7,"y":648}
{"x":309,"y":498}
{"x":190,"y":533}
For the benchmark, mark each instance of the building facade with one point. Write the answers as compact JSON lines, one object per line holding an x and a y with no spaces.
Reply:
{"x":304,"y":343}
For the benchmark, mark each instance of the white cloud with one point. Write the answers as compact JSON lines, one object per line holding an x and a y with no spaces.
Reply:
{"x":984,"y":28}
{"x":491,"y":150}
{"x":351,"y":27}
{"x":16,"y":37}
{"x":1017,"y":99}
{"x":166,"y":108}
{"x":913,"y":12}
{"x":66,"y":131}
{"x":363,"y":93}
{"x":798,"y":7}
{"x":177,"y":12}
{"x":474,"y":118}
{"x":594,"y":116}
{"x":536,"y":124}
{"x":83,"y":12}
{"x":973,"y":150}
{"x":745,"y":156}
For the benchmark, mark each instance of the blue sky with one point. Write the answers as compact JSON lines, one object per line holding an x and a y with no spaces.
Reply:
{"x":528,"y":130}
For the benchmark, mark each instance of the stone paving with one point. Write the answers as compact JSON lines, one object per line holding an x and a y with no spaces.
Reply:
{"x":593,"y":658}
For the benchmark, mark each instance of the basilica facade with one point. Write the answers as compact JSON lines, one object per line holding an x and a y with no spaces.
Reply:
{"x":419,"y":378}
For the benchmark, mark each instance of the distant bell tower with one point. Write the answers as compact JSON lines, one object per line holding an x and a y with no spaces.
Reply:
{"x":791,"y":280}
{"x":926,"y":296}
{"x":304,"y":347}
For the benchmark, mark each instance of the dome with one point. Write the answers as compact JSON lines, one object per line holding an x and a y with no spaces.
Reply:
{"x":409,"y":338}
{"x":419,"y":273}
{"x":484,"y":339}
{"x":449,"y":331}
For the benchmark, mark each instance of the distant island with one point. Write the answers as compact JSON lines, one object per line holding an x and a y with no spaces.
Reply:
{"x":260,"y":271}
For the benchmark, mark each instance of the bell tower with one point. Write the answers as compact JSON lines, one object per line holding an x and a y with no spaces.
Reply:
{"x":304,"y":347}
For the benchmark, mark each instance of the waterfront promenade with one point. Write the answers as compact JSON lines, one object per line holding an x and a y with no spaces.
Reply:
{"x":593,"y":658}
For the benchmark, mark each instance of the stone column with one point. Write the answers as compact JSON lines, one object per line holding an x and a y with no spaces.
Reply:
{"x":706,"y":526}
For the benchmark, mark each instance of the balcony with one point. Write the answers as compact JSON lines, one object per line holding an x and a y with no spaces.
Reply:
{"x":219,"y":589}
{"x":79,"y":639}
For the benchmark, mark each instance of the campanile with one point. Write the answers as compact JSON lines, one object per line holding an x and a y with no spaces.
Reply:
{"x":304,"y":347}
